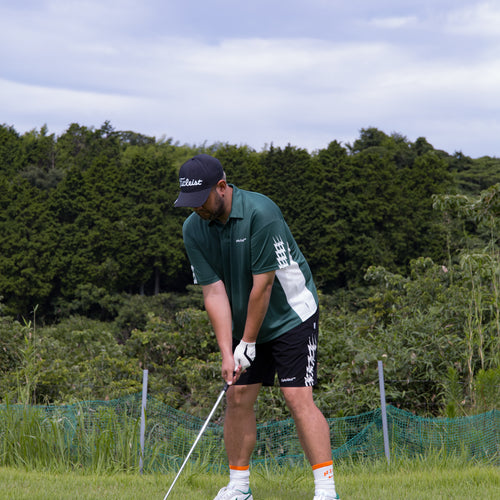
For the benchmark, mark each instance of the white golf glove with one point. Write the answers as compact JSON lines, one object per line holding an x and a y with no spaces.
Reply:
{"x":244,"y":354}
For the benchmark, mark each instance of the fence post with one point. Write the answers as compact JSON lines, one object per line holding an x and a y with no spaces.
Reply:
{"x":143,"y":417}
{"x":384,"y":411}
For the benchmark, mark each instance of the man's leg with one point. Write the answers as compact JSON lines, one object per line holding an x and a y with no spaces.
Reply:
{"x":240,"y":428}
{"x":240,"y":435}
{"x":314,"y":436}
{"x":312,"y":427}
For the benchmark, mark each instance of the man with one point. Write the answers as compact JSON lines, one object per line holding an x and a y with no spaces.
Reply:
{"x":262,"y":303}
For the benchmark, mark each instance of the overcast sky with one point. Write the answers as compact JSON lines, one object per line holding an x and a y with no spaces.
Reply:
{"x":256,"y":72}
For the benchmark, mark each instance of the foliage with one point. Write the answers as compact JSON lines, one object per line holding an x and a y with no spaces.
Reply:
{"x":408,"y":270}
{"x":93,"y":208}
{"x":473,"y":176}
{"x":437,"y":330}
{"x":418,"y":325}
{"x":48,"y":438}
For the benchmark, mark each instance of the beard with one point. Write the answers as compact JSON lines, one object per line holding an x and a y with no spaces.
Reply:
{"x":215,"y":212}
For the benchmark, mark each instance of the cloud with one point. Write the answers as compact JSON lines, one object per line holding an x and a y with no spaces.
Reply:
{"x":480,"y":19}
{"x":33,"y":106}
{"x":393,"y":22}
{"x":400,"y":70}
{"x":257,"y":91}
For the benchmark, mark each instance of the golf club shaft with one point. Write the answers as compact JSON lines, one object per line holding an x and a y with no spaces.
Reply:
{"x":221,"y":395}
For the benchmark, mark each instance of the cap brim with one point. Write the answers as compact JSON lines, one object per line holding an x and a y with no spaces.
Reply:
{"x":193,"y":200}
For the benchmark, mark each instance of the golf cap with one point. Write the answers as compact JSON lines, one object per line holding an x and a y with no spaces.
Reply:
{"x":196,"y":178}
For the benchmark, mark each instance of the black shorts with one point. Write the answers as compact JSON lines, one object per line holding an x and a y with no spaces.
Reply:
{"x":293,"y":356}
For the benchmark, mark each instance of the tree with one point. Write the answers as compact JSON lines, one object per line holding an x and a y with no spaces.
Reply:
{"x":79,"y":146}
{"x":385,"y":201}
{"x":10,"y":150}
{"x":68,"y":203}
{"x":38,"y":159}
{"x":153,"y":228}
{"x":28,"y":245}
{"x":242,"y":166}
{"x":369,"y":138}
{"x":329,"y":234}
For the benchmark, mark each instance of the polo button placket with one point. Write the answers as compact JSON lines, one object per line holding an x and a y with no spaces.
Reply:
{"x":225,"y":240}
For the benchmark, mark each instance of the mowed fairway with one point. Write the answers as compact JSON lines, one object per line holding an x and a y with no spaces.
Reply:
{"x":363,"y":483}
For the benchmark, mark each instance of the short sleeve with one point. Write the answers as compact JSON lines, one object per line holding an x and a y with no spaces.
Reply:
{"x":203,"y":272}
{"x":270,"y":250}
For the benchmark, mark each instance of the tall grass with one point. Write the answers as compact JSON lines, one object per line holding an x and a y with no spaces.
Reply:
{"x":46,"y":438}
{"x":102,"y":438}
{"x":47,"y":454}
{"x":30,"y":440}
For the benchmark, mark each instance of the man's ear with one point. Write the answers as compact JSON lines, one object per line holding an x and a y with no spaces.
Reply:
{"x":221,"y":186}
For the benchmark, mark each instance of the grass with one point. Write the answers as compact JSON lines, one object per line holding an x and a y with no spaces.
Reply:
{"x":50,"y":455}
{"x":404,"y":480}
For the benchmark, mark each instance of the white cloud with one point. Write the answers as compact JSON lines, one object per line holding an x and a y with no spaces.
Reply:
{"x":88,"y":62}
{"x":479,"y":19}
{"x":258,"y":91}
{"x":393,"y":22}
{"x":31,"y":106}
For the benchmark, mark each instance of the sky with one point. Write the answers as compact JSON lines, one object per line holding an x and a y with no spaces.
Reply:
{"x":256,"y":72}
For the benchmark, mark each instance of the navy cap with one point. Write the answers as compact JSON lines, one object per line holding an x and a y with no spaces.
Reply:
{"x":196,"y":178}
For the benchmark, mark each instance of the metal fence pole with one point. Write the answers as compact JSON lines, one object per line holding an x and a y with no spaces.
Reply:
{"x":385,"y":428}
{"x":143,"y":417}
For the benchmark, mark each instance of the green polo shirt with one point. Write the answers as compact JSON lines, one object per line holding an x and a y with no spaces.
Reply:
{"x":254,"y":240}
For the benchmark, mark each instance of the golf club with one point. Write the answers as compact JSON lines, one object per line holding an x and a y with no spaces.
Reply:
{"x":221,"y":395}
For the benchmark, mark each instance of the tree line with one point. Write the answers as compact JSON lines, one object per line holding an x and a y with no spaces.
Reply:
{"x":89,"y":214}
{"x":95,"y":285}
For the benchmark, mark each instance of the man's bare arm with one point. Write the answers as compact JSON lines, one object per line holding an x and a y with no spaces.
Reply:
{"x":258,"y":304}
{"x":219,"y":313}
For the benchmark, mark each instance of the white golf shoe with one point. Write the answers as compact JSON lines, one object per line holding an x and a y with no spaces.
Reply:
{"x":227,"y":493}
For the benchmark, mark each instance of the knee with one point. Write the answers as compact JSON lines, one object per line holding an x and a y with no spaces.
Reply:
{"x":297,"y":408}
{"x":239,"y":398}
{"x":299,"y":401}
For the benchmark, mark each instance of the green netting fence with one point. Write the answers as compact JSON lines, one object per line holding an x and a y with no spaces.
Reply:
{"x":91,"y":431}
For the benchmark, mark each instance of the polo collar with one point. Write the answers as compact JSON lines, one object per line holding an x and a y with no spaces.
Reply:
{"x":236,"y":204}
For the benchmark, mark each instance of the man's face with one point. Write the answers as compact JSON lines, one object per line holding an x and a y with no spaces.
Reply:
{"x":213,"y":208}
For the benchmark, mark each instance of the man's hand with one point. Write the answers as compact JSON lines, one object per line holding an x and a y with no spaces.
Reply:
{"x":244,"y":354}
